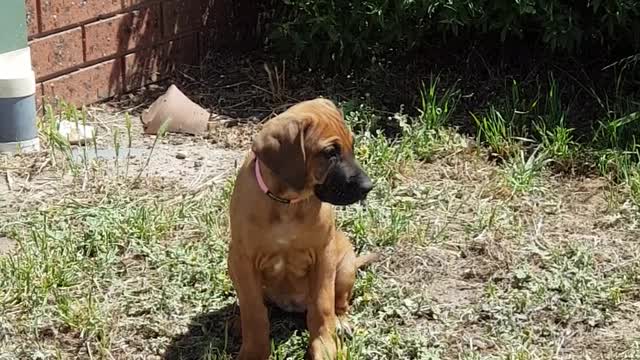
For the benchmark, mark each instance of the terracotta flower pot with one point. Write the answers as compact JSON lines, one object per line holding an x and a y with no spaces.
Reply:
{"x":184,"y":115}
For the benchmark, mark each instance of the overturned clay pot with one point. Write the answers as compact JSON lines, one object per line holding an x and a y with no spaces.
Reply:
{"x":184,"y":115}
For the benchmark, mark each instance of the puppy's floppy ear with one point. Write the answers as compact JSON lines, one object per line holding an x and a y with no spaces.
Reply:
{"x":280,"y":146}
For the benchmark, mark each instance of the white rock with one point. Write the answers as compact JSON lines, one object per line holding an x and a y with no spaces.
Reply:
{"x":76,"y":133}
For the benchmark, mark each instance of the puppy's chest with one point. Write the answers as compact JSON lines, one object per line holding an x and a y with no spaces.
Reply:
{"x":286,"y":251}
{"x":282,"y":236}
{"x":291,"y":264}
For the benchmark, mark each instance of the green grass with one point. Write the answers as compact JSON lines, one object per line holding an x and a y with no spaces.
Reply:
{"x":529,"y":132}
{"x":522,"y":173}
{"x":435,"y":110}
{"x":558,"y":144}
{"x":82,"y":266}
{"x":497,"y":133}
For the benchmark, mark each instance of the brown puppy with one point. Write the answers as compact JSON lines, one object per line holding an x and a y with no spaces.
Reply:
{"x":284,"y":244}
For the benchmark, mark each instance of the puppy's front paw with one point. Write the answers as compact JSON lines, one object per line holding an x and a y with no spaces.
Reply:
{"x":343,"y":327}
{"x":322,"y":349}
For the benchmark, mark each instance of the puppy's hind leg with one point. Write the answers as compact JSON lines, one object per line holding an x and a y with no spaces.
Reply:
{"x":346,"y":273}
{"x":345,"y":279}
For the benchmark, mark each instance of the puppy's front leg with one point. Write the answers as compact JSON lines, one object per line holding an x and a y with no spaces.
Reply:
{"x":321,"y":316}
{"x":254,"y":318}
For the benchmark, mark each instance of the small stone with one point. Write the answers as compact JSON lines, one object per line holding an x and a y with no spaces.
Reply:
{"x":181,"y":156}
{"x":197,"y":164}
{"x":76,"y":134}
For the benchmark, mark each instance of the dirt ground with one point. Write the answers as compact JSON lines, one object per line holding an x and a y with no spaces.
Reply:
{"x":184,"y":159}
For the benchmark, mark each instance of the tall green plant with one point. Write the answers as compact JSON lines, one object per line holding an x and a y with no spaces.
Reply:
{"x":436,"y":109}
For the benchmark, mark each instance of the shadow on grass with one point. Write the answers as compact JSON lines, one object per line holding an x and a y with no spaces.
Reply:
{"x":216,"y":334}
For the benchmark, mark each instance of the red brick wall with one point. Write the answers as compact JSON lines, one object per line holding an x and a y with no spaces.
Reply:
{"x":84,"y":51}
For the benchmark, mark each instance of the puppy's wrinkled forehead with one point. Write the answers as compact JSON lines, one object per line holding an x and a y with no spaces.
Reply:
{"x":327,"y":124}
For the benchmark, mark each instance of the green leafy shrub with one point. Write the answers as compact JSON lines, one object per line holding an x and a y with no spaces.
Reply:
{"x":340,"y":33}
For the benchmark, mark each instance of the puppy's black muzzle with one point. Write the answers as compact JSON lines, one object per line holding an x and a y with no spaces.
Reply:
{"x":346,"y":184}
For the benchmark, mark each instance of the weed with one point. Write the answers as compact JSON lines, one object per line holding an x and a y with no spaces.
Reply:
{"x":558,"y":145}
{"x":616,"y":164}
{"x":52,"y":138}
{"x":381,"y":157}
{"x":361,"y":118}
{"x":417,"y":135}
{"x":522,"y":173}
{"x":85,"y":158}
{"x":392,"y":224}
{"x":555,"y":114}
{"x":497,"y":133}
{"x":417,"y":140}
{"x":619,"y":132}
{"x":435,"y":111}
{"x":518,"y":110}
{"x":620,"y":126}
{"x":116,"y":148}
{"x":72,"y":260}
{"x":550,"y":128}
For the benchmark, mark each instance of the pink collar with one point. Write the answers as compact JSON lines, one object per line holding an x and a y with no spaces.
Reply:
{"x":265,"y":189}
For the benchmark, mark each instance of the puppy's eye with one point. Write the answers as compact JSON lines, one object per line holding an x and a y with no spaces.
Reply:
{"x":332,"y":152}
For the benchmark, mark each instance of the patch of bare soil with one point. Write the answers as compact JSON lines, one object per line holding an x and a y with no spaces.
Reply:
{"x":191,"y":161}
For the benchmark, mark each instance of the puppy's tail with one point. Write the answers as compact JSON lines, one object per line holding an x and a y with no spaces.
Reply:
{"x":367,"y":259}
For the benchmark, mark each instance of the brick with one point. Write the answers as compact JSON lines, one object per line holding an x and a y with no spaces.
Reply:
{"x":32,"y":17}
{"x":121,"y":33}
{"x":86,"y":86}
{"x":56,"y":14}
{"x":57,"y":52}
{"x":184,"y":15}
{"x":152,"y":65}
